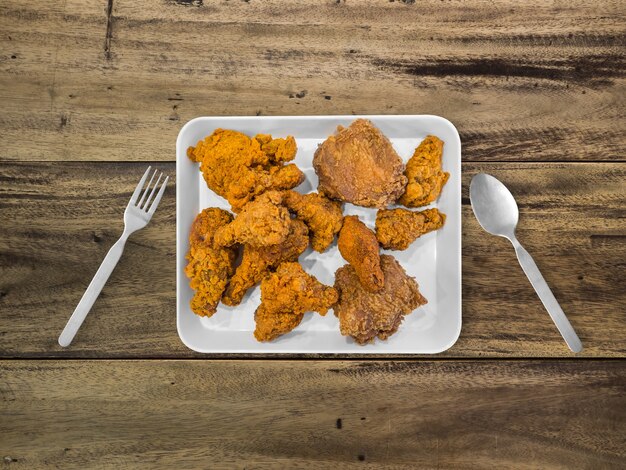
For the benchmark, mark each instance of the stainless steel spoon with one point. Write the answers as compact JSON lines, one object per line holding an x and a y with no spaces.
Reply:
{"x":496,"y":211}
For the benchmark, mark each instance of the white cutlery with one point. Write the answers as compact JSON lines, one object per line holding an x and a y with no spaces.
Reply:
{"x":497,"y":212}
{"x":138,"y":213}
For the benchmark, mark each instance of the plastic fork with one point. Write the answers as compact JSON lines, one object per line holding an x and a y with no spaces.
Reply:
{"x":136,"y":216}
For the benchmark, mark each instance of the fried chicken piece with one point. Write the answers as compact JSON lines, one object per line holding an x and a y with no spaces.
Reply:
{"x":239,"y":168}
{"x":323,"y":216}
{"x":209,"y":267}
{"x":256,"y":262}
{"x":290,"y":289}
{"x":285,"y":296}
{"x":396,"y":229}
{"x":359,"y":247}
{"x":423,"y":170}
{"x":359,"y":165}
{"x":365,"y":315}
{"x":263,"y":221}
{"x":270,"y":326}
{"x":278,"y":150}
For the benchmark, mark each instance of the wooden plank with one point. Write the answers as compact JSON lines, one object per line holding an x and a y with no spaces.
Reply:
{"x":262,"y":414}
{"x":59,"y":220}
{"x":531,"y":81}
{"x":39,"y":43}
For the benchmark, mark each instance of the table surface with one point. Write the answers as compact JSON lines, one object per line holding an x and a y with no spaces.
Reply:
{"x":94,"y":91}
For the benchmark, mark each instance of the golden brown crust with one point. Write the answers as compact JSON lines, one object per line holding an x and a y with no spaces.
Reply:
{"x":239,"y":168}
{"x":359,"y":247}
{"x":261,"y":222}
{"x":257,"y":261}
{"x":278,"y":150}
{"x":396,"y":229}
{"x":270,"y":326}
{"x":285,"y":296}
{"x":209,"y":267}
{"x":425,"y":177}
{"x":322,"y":215}
{"x":366,"y":315}
{"x":359,"y":165}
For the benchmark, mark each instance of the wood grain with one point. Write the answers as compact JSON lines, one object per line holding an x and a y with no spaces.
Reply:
{"x":86,"y":86}
{"x":284,"y":414}
{"x":63,"y":217}
{"x":116,"y":80}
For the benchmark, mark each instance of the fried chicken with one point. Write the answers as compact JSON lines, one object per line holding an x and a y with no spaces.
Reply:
{"x":270,"y":326}
{"x":278,"y":150}
{"x":256,"y":262}
{"x":285,"y":296}
{"x":396,"y":229}
{"x":323,"y":216}
{"x":209,"y":266}
{"x":359,"y":247}
{"x":425,"y":177}
{"x":365,"y":315}
{"x":261,"y":222}
{"x":239,"y":168}
{"x":359,"y":165}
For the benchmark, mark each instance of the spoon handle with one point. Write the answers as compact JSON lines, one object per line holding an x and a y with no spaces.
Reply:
{"x":547,"y":298}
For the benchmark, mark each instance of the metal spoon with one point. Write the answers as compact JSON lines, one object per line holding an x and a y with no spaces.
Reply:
{"x":496,"y":211}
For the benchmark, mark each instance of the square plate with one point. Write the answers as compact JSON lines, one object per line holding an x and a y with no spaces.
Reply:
{"x":434,"y":259}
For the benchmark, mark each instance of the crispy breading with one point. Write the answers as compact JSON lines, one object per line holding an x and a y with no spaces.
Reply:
{"x":359,"y":165}
{"x":209,"y":266}
{"x":285,"y":296}
{"x":359,"y":247}
{"x":366,"y":315}
{"x":257,"y":261}
{"x":239,"y":168}
{"x":270,"y":326}
{"x":322,"y":215}
{"x":424,"y":173}
{"x":396,"y":229}
{"x":261,"y":222}
{"x":278,"y":150}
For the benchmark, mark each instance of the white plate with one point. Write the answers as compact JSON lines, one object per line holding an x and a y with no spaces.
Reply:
{"x":434,"y":259}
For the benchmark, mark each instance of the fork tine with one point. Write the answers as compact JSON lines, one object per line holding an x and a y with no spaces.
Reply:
{"x":143,"y":196}
{"x":158,"y":197}
{"x":154,"y":188}
{"x":133,"y":198}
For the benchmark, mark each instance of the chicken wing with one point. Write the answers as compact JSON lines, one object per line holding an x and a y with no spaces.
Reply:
{"x":261,"y":222}
{"x":256,"y":262}
{"x":359,"y":165}
{"x":285,"y":296}
{"x":396,"y":229}
{"x":209,"y":266}
{"x":323,"y":216}
{"x":425,"y":177}
{"x":365,"y":315}
{"x":359,"y":247}
{"x":239,"y":168}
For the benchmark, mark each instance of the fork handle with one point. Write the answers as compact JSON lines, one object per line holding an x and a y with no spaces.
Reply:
{"x":92,"y":292}
{"x":547,"y":298}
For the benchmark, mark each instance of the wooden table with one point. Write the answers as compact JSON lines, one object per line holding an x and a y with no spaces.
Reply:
{"x":93,"y":91}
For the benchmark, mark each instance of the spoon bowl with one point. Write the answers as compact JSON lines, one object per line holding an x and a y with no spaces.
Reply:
{"x":494,"y":206}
